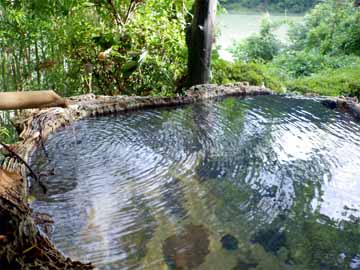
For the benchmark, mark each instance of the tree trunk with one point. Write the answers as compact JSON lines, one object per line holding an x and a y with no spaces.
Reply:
{"x":18,"y":71}
{"x":38,"y":75}
{"x":3,"y":72}
{"x":266,"y":4}
{"x":14,"y":75}
{"x":28,"y":59}
{"x":199,"y":41}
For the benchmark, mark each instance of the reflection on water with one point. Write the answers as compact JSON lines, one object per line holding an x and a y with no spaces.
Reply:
{"x":256,"y":183}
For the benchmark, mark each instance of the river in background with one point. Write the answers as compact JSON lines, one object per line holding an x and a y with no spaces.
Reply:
{"x":237,"y":27}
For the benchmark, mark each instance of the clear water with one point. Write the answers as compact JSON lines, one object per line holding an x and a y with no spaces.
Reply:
{"x":256,"y":183}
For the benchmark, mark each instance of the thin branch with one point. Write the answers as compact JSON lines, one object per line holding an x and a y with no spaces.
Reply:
{"x":32,"y":173}
{"x":129,"y":11}
{"x":132,"y":7}
{"x":118,"y":19}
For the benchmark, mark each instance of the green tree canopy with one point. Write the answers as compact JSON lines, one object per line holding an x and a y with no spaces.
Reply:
{"x":108,"y":47}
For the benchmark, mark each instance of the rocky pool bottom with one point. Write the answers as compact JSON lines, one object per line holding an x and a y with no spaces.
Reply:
{"x":267,"y":182}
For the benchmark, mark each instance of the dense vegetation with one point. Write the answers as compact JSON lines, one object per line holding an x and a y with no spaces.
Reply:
{"x":323,"y":55}
{"x":105,"y":47}
{"x":133,"y":47}
{"x":293,"y":6}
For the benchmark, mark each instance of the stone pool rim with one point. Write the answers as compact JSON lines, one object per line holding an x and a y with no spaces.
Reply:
{"x":37,"y":125}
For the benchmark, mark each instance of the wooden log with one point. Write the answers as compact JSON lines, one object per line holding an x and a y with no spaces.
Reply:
{"x":30,"y":100}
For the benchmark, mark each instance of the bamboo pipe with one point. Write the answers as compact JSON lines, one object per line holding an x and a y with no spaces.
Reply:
{"x":30,"y":100}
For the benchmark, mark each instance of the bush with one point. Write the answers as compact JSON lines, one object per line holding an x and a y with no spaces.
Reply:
{"x":322,"y":57}
{"x":295,"y":64}
{"x":146,"y":57}
{"x":332,"y":27}
{"x":104,"y":47}
{"x":344,"y":81}
{"x":256,"y":74}
{"x":262,"y":47}
{"x":293,"y":6}
{"x":8,"y":133}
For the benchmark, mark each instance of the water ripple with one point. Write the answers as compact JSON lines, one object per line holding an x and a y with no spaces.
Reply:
{"x":124,"y":184}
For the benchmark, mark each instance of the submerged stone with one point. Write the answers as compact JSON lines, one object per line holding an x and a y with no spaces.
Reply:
{"x":229,"y":242}
{"x":188,"y":249}
{"x":272,"y":240}
{"x":244,"y":265}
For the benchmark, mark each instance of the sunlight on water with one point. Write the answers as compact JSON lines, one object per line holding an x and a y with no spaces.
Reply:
{"x":255,"y":183}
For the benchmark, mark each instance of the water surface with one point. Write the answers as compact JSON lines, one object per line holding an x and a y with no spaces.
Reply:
{"x":255,"y":183}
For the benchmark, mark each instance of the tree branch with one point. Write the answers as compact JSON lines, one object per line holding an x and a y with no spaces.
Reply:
{"x":32,"y":173}
{"x":115,"y":14}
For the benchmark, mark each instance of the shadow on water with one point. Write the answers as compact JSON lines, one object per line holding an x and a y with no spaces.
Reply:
{"x":255,"y":183}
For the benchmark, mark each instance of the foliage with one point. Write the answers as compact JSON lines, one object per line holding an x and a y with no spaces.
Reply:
{"x":106,"y":47}
{"x":8,"y":133}
{"x":295,"y":64}
{"x":254,"y":73}
{"x":332,"y":28}
{"x":343,"y":81}
{"x":4,"y":133}
{"x":323,"y":54}
{"x":261,"y":47}
{"x":294,"y":6}
{"x":28,"y":45}
{"x":146,"y":56}
{"x":138,"y":47}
